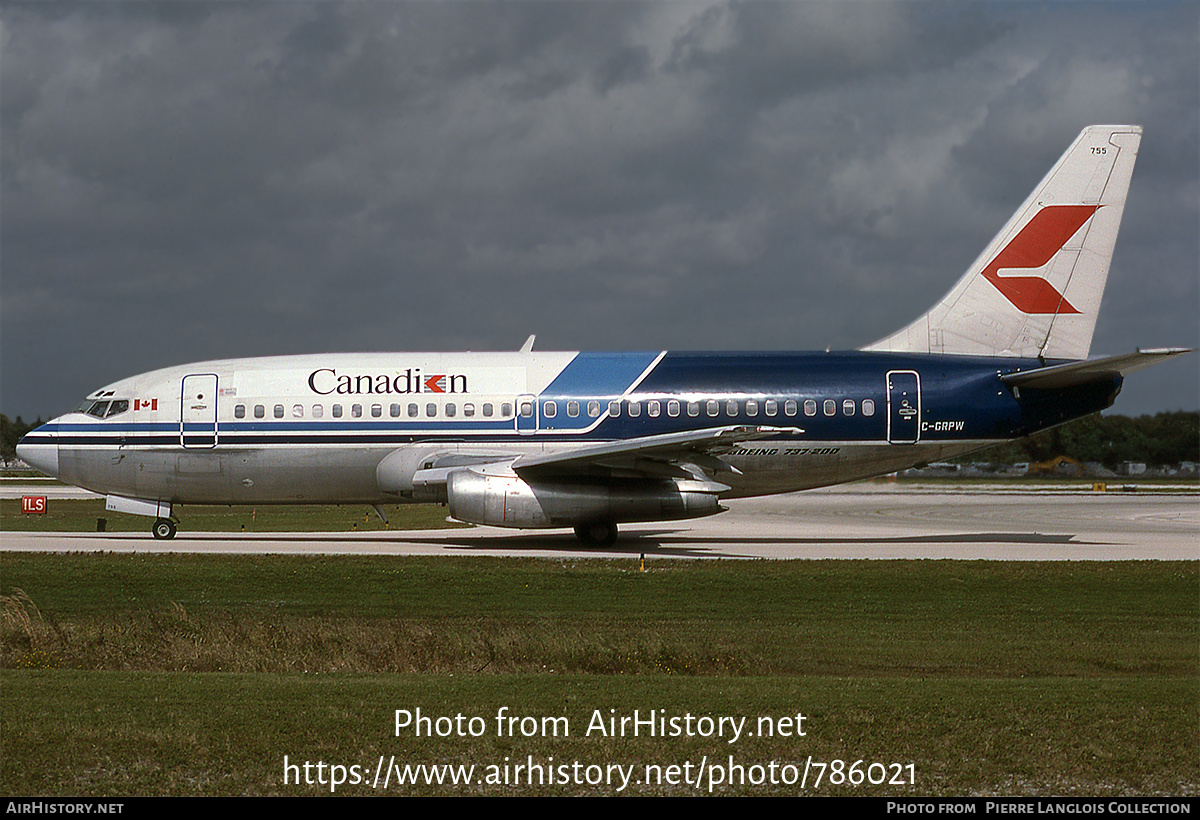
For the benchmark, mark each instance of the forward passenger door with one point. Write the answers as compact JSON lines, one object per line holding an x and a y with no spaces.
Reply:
{"x":198,"y":411}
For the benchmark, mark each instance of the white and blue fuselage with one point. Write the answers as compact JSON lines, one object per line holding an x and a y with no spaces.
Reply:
{"x":590,"y":440}
{"x":316,"y":428}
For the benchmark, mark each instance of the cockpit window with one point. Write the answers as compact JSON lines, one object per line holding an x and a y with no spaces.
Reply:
{"x":94,"y":408}
{"x":103,"y":408}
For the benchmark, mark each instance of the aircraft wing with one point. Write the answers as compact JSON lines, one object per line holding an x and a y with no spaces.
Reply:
{"x":693,"y":454}
{"x":1073,"y":373}
{"x":667,"y":454}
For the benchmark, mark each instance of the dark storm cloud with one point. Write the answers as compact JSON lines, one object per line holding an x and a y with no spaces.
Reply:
{"x":183,"y":181}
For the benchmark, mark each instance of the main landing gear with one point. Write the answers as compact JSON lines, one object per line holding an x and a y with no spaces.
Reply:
{"x":599,"y":534}
{"x":164,"y":528}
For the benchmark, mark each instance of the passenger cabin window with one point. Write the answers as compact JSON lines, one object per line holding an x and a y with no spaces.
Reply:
{"x":652,"y":408}
{"x":505,"y":410}
{"x":431,"y":410}
{"x":635,"y":409}
{"x":298,"y":411}
{"x":376,"y":411}
{"x":868,"y":407}
{"x":337,"y":411}
{"x":356,"y":411}
{"x":693,"y":408}
{"x":771,"y":407}
{"x":789,"y":407}
{"x":573,"y":408}
{"x":278,"y":412}
{"x":259,"y":411}
{"x":526,"y":409}
{"x":413,"y":411}
{"x":318,"y":411}
{"x":848,"y":407}
{"x":731,"y":408}
{"x":469,"y":410}
{"x":550,"y":409}
{"x":673,"y":408}
{"x":594,"y":408}
{"x":830,"y":407}
{"x":451,"y":409}
{"x":239,"y":411}
{"x":751,"y":407}
{"x":394,"y":411}
{"x":614,"y":408}
{"x":810,"y":407}
{"x":487,"y":409}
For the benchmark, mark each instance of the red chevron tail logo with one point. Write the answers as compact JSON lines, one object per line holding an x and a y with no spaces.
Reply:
{"x":1032,"y":247}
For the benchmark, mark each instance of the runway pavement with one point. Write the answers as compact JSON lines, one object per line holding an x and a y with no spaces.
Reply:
{"x":49,"y":488}
{"x":870,"y":520}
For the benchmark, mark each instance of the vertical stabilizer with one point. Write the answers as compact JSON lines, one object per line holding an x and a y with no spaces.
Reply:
{"x":1036,"y":289}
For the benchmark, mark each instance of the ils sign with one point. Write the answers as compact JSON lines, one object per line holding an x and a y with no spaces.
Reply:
{"x":33,"y":504}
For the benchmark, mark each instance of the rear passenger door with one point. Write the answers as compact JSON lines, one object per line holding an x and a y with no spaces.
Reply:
{"x":904,"y":406}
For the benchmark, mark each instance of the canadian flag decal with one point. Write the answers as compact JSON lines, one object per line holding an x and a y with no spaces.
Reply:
{"x":145,"y":404}
{"x":1032,"y":247}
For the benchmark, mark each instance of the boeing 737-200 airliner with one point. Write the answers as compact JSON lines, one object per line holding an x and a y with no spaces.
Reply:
{"x":592,"y":440}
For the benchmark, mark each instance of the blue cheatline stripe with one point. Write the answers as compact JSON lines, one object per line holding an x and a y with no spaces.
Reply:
{"x":390,"y":439}
{"x":365,"y":425}
{"x":106,"y":430}
{"x":121,"y":427}
{"x":600,"y":374}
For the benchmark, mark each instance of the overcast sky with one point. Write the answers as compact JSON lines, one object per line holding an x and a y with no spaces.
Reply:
{"x":187,"y":181}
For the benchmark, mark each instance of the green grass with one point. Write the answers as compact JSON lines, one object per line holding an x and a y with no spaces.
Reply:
{"x":186,"y":612}
{"x":93,"y":734}
{"x":191,"y":674}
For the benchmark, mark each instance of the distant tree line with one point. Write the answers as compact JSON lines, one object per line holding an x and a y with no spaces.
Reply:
{"x":1164,"y":439}
{"x":11,"y":432}
{"x":1158,"y":440}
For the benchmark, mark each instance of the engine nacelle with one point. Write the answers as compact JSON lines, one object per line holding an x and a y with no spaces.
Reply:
{"x":509,"y":501}
{"x":420,"y":472}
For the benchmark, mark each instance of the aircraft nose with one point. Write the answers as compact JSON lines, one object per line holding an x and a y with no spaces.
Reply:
{"x":39,"y":449}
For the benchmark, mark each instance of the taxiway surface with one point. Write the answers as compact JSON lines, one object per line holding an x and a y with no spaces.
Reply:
{"x":870,"y":520}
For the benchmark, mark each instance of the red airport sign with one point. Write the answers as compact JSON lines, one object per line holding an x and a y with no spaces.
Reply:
{"x":35,"y":504}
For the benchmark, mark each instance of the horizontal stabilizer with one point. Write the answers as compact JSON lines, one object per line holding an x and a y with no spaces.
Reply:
{"x":1073,"y":373}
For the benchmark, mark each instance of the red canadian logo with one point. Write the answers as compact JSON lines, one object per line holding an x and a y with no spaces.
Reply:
{"x":145,"y":404}
{"x":1033,"y":246}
